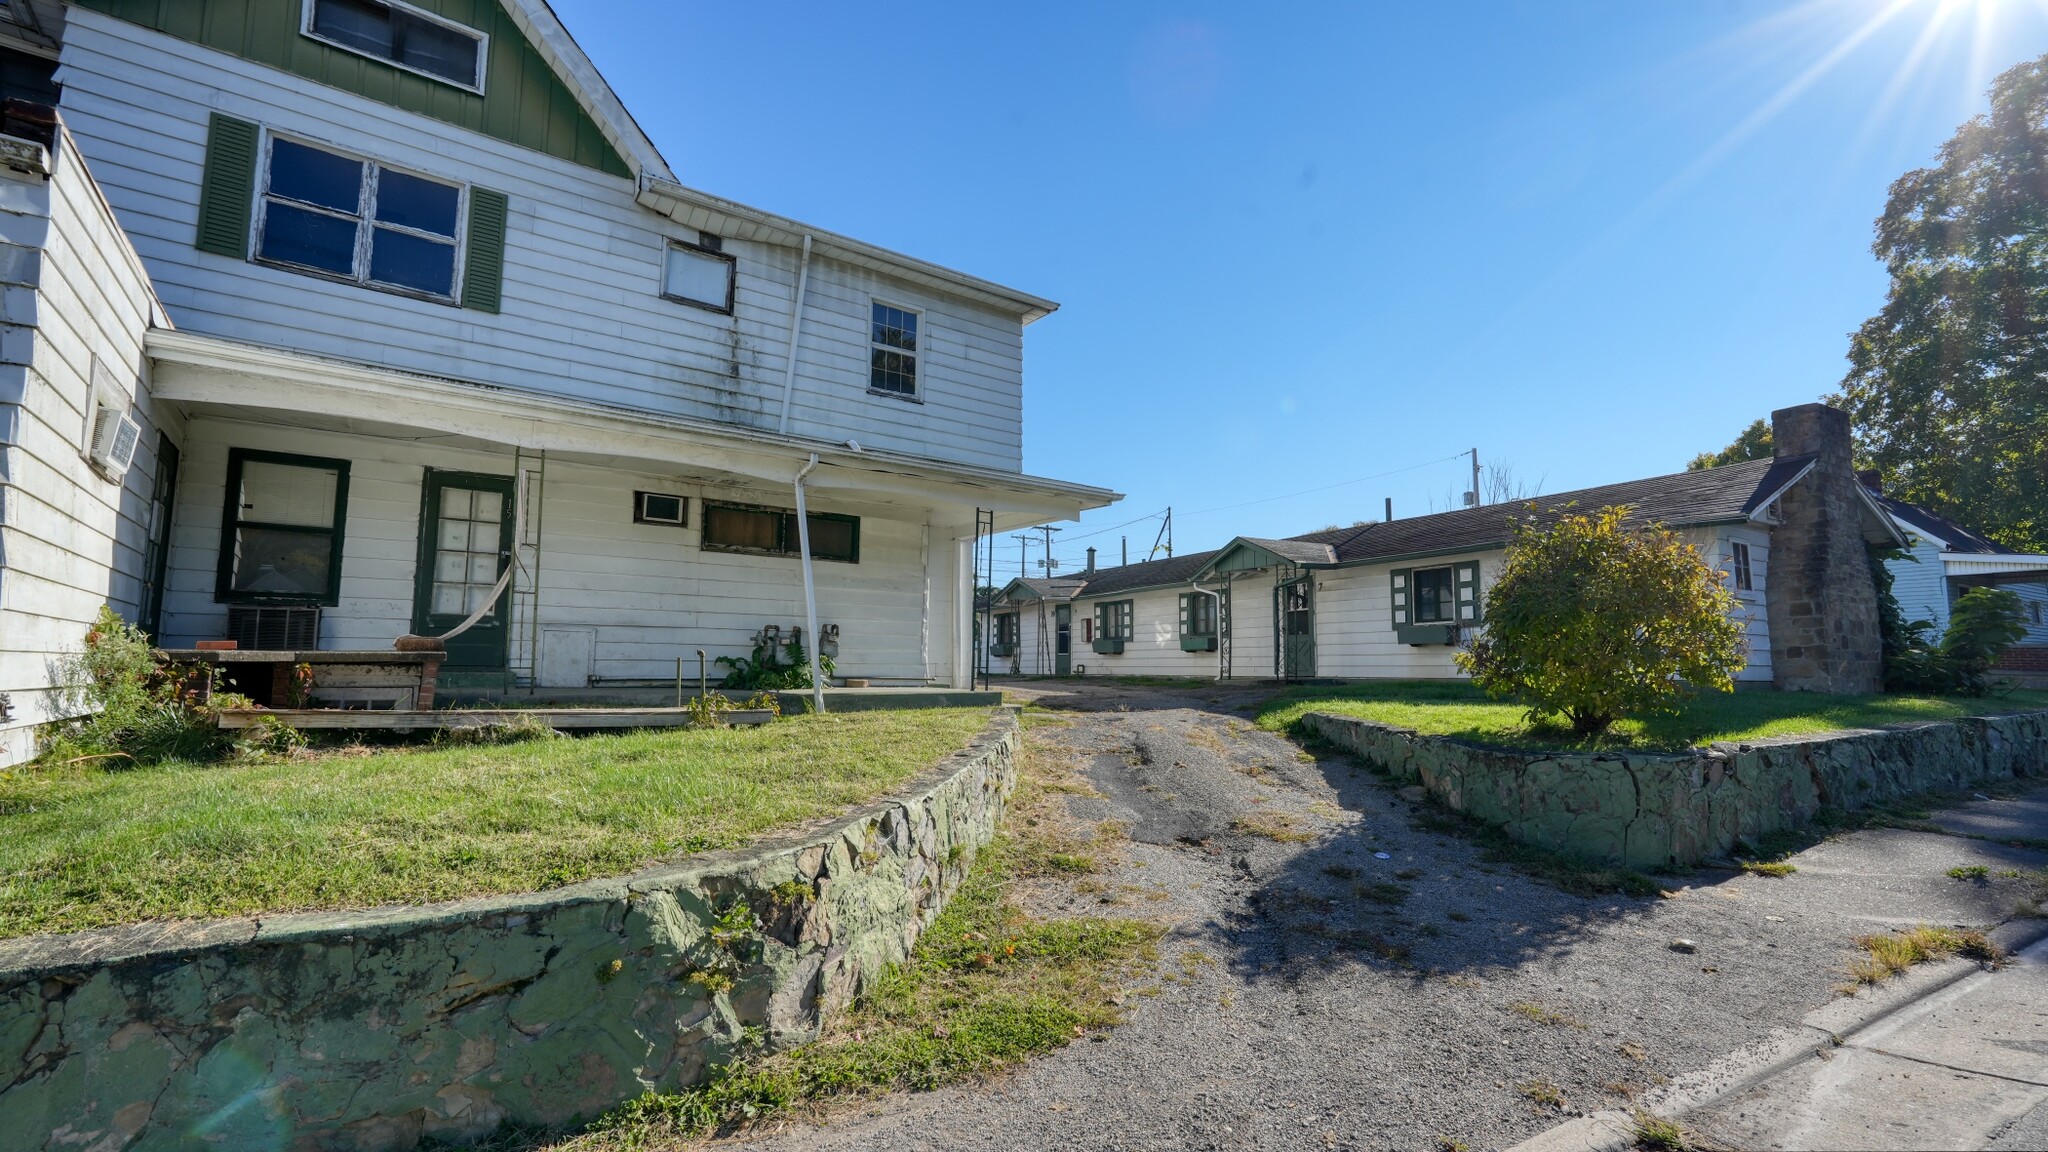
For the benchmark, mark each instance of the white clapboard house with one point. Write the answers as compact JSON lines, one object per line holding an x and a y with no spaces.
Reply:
{"x":1395,"y":600}
{"x":1943,"y":559}
{"x":321,"y":314}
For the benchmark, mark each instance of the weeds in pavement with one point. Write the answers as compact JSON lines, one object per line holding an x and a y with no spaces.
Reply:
{"x":1775,"y":868}
{"x":1531,"y":1010}
{"x":1382,"y":892}
{"x":1451,"y":1144}
{"x":1276,"y":826}
{"x":1891,"y":953}
{"x":1542,"y":1093}
{"x":1977,"y":872}
{"x":1659,"y":1135}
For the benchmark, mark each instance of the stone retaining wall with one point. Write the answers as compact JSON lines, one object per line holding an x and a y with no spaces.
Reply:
{"x":376,"y":1030}
{"x":1650,"y":810}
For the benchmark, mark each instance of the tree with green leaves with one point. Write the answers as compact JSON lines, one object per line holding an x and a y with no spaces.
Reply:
{"x":1753,"y":444}
{"x":1983,"y":623}
{"x":1948,"y":384}
{"x":1593,"y":620}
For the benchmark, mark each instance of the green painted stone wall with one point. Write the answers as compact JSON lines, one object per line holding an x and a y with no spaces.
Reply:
{"x":524,"y":101}
{"x":381,"y":1029}
{"x":1651,"y":810}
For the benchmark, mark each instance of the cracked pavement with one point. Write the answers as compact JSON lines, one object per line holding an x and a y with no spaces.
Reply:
{"x":1364,"y":982}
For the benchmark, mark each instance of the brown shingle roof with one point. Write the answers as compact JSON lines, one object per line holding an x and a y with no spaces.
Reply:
{"x":1712,"y":496}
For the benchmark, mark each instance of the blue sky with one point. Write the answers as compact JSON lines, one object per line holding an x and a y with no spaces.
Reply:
{"x":1298,"y":247}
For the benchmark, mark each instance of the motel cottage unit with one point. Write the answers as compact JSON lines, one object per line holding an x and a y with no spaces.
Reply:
{"x":1394,"y":600}
{"x":324,"y":315}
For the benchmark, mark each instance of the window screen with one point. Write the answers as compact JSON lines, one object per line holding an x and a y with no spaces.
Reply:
{"x":695,"y":276}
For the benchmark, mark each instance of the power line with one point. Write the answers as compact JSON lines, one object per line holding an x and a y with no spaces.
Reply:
{"x":1326,"y":487}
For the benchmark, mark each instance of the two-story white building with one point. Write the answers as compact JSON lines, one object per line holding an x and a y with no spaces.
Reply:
{"x":423,"y":326}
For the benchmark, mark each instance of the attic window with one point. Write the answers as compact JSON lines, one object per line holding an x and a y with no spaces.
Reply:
{"x":402,"y":36}
{"x":697,"y":274}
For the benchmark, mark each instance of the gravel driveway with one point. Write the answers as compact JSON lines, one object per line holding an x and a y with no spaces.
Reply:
{"x":1375,"y":985}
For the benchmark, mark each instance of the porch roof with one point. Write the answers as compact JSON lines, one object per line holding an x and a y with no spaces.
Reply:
{"x":1251,"y":553}
{"x":239,"y":380}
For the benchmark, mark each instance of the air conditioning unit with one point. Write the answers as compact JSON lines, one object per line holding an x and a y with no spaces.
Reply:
{"x":114,"y":437}
{"x":274,"y":629}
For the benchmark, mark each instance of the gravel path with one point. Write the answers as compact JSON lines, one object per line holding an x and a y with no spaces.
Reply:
{"x":1375,"y":985}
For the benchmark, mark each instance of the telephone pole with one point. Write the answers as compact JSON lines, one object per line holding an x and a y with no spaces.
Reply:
{"x":1477,"y":499}
{"x":1023,"y":540}
{"x":1049,"y":563}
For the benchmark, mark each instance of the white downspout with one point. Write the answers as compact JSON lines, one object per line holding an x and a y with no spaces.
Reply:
{"x":803,"y":544}
{"x":796,"y":326}
{"x":1218,"y":597}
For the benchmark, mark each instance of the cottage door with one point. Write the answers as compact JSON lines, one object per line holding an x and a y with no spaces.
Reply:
{"x":465,"y":544}
{"x":1297,"y":628}
{"x":1063,"y":640}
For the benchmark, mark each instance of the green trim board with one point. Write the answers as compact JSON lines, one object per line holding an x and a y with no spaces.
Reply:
{"x":524,"y":102}
{"x":231,"y":523}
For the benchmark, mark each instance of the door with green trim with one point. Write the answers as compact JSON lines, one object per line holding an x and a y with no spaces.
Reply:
{"x":1295,"y":602}
{"x":1063,"y":640}
{"x":465,"y":544}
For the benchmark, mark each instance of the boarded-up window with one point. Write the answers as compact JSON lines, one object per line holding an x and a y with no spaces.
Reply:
{"x":699,"y":276}
{"x":772,"y":531}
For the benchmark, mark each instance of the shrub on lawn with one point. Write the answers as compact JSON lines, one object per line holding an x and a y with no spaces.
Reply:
{"x":129,"y":709}
{"x":1981,"y":626}
{"x":1593,"y":621}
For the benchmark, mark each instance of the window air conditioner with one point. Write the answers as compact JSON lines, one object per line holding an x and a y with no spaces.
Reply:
{"x":114,"y":437}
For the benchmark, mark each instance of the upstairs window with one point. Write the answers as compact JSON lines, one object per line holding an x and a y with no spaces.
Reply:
{"x":340,"y":216}
{"x":772,"y":532}
{"x":1745,"y":581}
{"x":892,"y":352}
{"x":281,"y":533}
{"x":698,"y":274}
{"x":1435,"y":595}
{"x":401,"y":35}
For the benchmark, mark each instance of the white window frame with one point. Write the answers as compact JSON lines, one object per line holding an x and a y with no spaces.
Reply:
{"x":366,"y":224}
{"x":483,"y":43}
{"x":916,"y":395}
{"x":731,"y":278}
{"x":1741,"y":567}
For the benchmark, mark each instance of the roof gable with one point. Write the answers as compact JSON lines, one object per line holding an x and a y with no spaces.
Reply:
{"x":540,"y":91}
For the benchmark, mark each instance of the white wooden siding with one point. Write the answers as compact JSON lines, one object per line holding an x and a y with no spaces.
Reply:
{"x":581,"y":311}
{"x":1154,"y":647}
{"x":1355,"y":624}
{"x":1717,"y":545}
{"x":70,"y":539}
{"x":648,"y":592}
{"x":1920,"y":584}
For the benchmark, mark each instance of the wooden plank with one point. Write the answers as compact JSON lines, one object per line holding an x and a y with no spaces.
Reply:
{"x":401,"y":721}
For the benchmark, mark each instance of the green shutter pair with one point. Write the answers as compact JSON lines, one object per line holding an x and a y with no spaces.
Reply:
{"x":1464,"y":584}
{"x":227,"y":193}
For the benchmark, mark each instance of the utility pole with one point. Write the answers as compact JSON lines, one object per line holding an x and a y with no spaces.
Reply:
{"x":1049,"y":563}
{"x":1475,"y":500}
{"x":1023,"y":540}
{"x":1166,"y":535}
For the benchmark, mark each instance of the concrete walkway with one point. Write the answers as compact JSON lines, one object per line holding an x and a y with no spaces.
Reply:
{"x":1964,"y":1068}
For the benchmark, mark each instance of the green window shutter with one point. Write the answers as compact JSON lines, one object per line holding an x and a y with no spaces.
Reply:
{"x":483,"y":276}
{"x":1398,"y":589}
{"x":227,"y":186}
{"x":1185,"y":613}
{"x":1465,"y":578}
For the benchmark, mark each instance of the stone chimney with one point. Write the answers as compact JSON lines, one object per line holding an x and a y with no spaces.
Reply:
{"x":1818,"y":592}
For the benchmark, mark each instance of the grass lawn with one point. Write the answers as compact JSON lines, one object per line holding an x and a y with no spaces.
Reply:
{"x":1448,"y":708}
{"x":86,"y":846}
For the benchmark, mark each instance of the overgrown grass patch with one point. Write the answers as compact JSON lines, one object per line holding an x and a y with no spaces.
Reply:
{"x":1457,"y":709}
{"x":88,"y":845}
{"x":1890,"y":953}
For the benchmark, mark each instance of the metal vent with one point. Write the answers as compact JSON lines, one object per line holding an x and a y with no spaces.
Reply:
{"x":274,"y":629}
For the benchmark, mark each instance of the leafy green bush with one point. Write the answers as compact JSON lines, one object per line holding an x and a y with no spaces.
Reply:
{"x":130,"y":709}
{"x":1593,"y":621}
{"x":1913,"y":661}
{"x":1983,"y":623}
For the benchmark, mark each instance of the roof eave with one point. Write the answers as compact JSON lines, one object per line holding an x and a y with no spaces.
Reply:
{"x":738,"y":221}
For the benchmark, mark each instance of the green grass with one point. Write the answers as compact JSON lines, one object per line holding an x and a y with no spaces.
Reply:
{"x":86,"y":845}
{"x":1457,"y":709}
